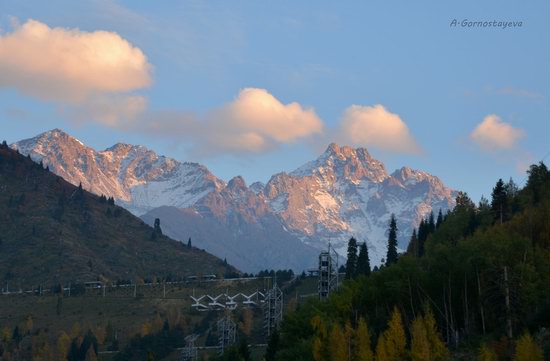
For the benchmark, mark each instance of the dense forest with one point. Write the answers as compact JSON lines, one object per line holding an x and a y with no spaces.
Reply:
{"x":474,"y":284}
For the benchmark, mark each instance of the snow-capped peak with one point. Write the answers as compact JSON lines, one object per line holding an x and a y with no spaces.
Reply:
{"x":344,"y":161}
{"x":135,"y":176}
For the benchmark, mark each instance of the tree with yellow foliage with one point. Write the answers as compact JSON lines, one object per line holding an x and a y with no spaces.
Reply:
{"x":146,"y":329}
{"x":394,"y":338}
{"x":420,"y":345}
{"x":6,"y":334}
{"x":527,"y":349}
{"x":320,"y":351}
{"x":486,"y":354}
{"x":63,"y":344}
{"x":381,"y":349}
{"x":90,"y":355}
{"x":362,"y":350}
{"x":247,"y":322}
{"x":76,"y":330}
{"x":337,"y":345}
{"x":438,"y":350}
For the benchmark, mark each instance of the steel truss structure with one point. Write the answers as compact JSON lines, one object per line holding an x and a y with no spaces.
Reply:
{"x":328,"y":272}
{"x":227,"y":330}
{"x":273,"y":309}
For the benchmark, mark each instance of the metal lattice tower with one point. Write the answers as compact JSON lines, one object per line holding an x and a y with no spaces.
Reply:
{"x":328,"y":273}
{"x":189,"y":352}
{"x":273,"y":309}
{"x":227,"y":330}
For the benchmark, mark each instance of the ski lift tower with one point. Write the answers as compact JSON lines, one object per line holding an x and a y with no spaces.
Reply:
{"x":273,"y":309}
{"x":328,"y":272}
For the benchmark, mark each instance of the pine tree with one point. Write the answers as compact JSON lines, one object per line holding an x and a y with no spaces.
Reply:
{"x":527,"y":349}
{"x":156,"y":227}
{"x":351,"y":263}
{"x":423,"y":232}
{"x":157,"y":231}
{"x":362,"y":342}
{"x":413,"y":244}
{"x":499,"y":201}
{"x":537,"y":182}
{"x":439,"y":219}
{"x":391,"y":256}
{"x":189,"y":243}
{"x":363,"y":260}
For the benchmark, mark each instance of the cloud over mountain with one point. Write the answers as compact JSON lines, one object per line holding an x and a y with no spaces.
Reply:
{"x":376,"y":127}
{"x":70,"y":65}
{"x":254,"y":122}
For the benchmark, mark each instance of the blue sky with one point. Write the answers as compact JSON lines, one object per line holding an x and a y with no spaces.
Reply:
{"x":436,"y":82}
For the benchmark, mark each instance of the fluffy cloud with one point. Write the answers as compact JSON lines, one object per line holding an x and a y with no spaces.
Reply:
{"x":254,"y":122}
{"x":376,"y":127}
{"x":493,"y":134}
{"x":70,"y":65}
{"x":258,"y":114}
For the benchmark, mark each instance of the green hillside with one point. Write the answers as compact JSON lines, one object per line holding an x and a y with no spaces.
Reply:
{"x":52,"y":232}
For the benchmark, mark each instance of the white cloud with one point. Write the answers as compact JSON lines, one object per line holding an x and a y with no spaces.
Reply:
{"x":493,"y":134}
{"x":70,"y":65}
{"x":254,"y":122}
{"x":257,"y":111}
{"x":376,"y":127}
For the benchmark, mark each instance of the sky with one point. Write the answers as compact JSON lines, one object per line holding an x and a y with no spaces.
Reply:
{"x":458,"y":89}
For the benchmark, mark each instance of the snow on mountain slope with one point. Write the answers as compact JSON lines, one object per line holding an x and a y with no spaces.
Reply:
{"x":346,"y":192}
{"x":135,"y":176}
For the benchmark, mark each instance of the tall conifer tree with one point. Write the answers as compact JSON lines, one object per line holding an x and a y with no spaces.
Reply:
{"x":351,"y":263}
{"x":363,"y":261}
{"x":391,"y":256}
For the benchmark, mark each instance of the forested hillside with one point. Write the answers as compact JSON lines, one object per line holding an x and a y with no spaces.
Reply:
{"x":473,"y":285}
{"x":52,"y":232}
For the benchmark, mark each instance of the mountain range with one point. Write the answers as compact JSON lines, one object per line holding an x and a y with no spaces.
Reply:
{"x":282,"y":224}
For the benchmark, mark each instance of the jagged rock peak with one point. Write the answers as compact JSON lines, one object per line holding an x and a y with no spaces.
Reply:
{"x":344,"y":161}
{"x":257,"y":187}
{"x":346,"y":152}
{"x":237,"y":183}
